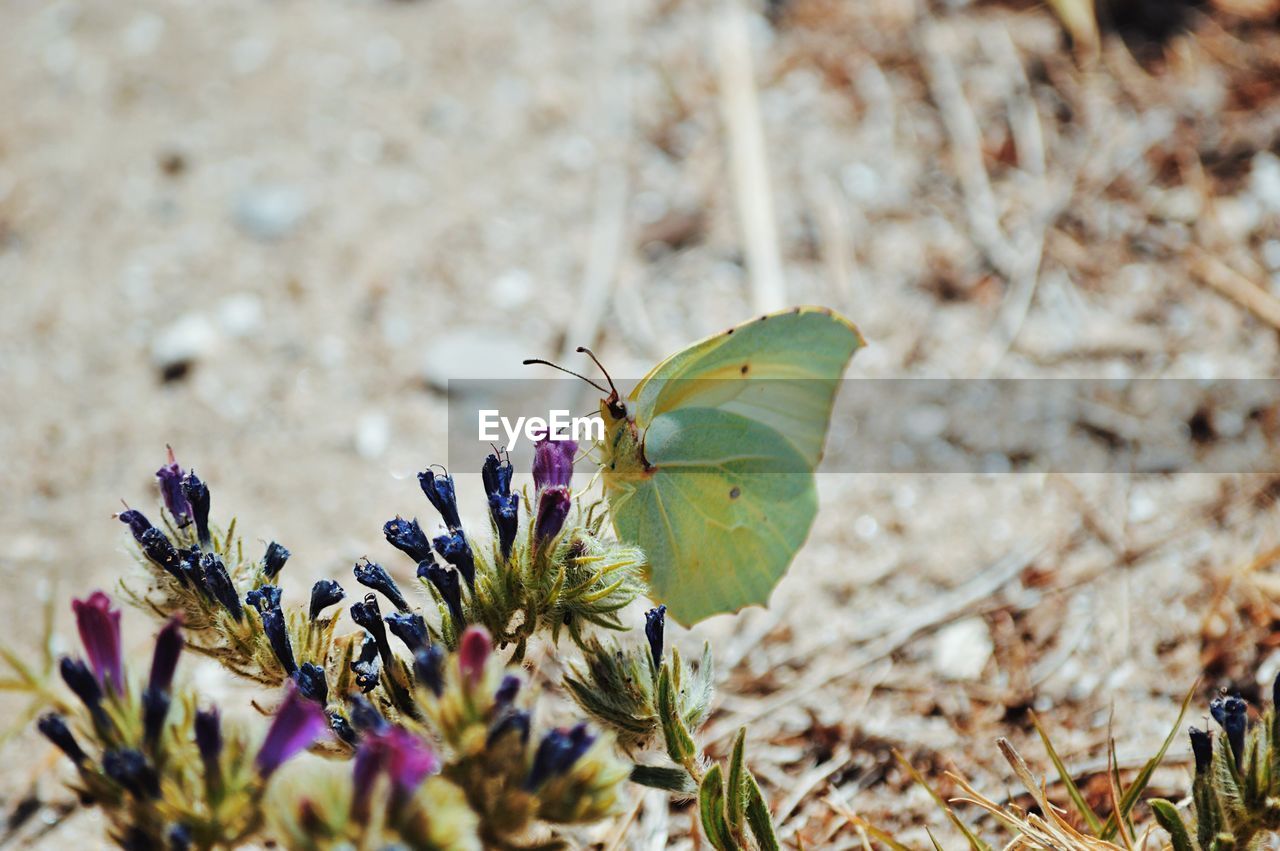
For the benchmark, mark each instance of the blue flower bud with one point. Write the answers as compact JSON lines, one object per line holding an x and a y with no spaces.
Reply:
{"x":155,"y":708}
{"x":54,"y":728}
{"x":130,"y":769}
{"x":655,"y":621}
{"x":273,"y":624}
{"x":364,"y":717}
{"x":208,"y":730}
{"x":445,"y":579}
{"x":428,"y":668}
{"x":496,"y":475}
{"x":409,"y":628}
{"x":179,"y":837}
{"x":324,"y":594}
{"x":507,"y":691}
{"x":164,"y":661}
{"x":408,"y":537}
{"x":454,"y":549}
{"x":375,"y":576}
{"x":83,"y":684}
{"x":557,"y":752}
{"x":273,"y":559}
{"x":505,"y":511}
{"x":219,"y":584}
{"x":197,"y":493}
{"x":1202,"y":748}
{"x":517,"y":721}
{"x":439,"y":490}
{"x":264,"y":598}
{"x":342,"y":728}
{"x":157,"y":547}
{"x":366,"y":666}
{"x":136,"y":521}
{"x":312,"y":683}
{"x":1232,"y":713}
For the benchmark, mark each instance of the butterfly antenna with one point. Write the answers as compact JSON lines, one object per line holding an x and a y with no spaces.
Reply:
{"x":584,"y":350}
{"x":531,"y":361}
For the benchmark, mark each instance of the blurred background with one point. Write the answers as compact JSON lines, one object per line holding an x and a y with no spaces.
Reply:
{"x":268,"y":234}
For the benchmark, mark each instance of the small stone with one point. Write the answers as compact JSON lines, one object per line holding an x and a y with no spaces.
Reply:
{"x":270,"y":211}
{"x":240,"y":315}
{"x":182,"y":342}
{"x":1264,"y":180}
{"x":961,"y":650}
{"x":373,"y":434}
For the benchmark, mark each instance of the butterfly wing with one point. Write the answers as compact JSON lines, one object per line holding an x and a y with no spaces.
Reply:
{"x":791,"y":362}
{"x":728,"y":496}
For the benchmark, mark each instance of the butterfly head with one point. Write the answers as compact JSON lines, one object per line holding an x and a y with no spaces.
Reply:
{"x":612,"y":404}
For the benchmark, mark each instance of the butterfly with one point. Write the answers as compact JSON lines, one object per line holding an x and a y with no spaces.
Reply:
{"x":708,"y":463}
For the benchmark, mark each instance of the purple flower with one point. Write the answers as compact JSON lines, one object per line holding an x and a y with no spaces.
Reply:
{"x":439,"y":490}
{"x":53,"y":728}
{"x":408,"y":537}
{"x":136,"y":521}
{"x":473,"y":651}
{"x":170,"y":476}
{"x":507,"y":691}
{"x":373,"y":575}
{"x":273,"y":559}
{"x":654,"y":623}
{"x":402,"y":756}
{"x":553,"y":509}
{"x":553,"y":462}
{"x":324,"y":594}
{"x":164,"y":661}
{"x":99,"y":627}
{"x":557,"y":752}
{"x":454,"y":549}
{"x":445,"y":579}
{"x":298,"y":725}
{"x":197,"y":493}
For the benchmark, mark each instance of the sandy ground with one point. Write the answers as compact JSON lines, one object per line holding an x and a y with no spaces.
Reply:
{"x":263,"y":233}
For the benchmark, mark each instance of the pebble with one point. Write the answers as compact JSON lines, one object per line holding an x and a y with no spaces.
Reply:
{"x":373,"y":435}
{"x":187,"y":339}
{"x":270,"y":211}
{"x":961,"y":650}
{"x":240,"y":315}
{"x":477,"y":353}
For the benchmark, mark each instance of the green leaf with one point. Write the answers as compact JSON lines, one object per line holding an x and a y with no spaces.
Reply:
{"x":680,"y":746}
{"x":737,"y":790}
{"x":711,"y":810}
{"x":1082,"y":806}
{"x":661,"y":777}
{"x":759,"y":819}
{"x":1171,"y":820}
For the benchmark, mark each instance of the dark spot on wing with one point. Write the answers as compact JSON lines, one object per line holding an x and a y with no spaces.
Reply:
{"x":745,"y":369}
{"x":735,"y":492}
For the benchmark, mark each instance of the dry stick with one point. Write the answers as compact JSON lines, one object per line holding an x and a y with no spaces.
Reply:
{"x":741,"y":109}
{"x":1227,"y":281}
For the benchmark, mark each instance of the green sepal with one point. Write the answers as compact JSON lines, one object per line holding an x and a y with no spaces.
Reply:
{"x":667,"y":779}
{"x":736,"y":785}
{"x":759,"y":819}
{"x":711,"y":810}
{"x":680,"y":746}
{"x":1171,"y":820}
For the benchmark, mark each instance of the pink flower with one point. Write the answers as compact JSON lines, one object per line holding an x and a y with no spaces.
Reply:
{"x":473,"y":652}
{"x":298,"y":725}
{"x":405,"y":758}
{"x":99,"y":627}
